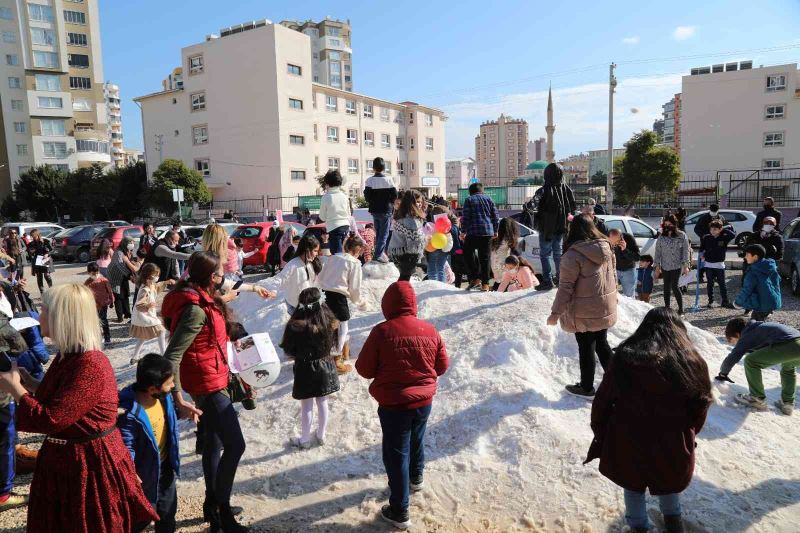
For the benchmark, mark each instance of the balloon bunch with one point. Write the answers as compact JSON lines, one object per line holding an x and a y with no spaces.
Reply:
{"x":438,"y":233}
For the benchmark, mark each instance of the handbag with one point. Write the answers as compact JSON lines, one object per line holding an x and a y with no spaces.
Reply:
{"x":241,"y":392}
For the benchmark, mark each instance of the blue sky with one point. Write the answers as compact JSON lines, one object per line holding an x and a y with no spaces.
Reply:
{"x":475,"y":59}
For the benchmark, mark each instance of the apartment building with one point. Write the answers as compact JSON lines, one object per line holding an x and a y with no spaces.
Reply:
{"x":174,"y":80}
{"x":458,"y":172}
{"x":576,"y":168}
{"x":52,"y":98}
{"x":250,"y":119}
{"x":501,"y":148}
{"x":115,"y":124}
{"x":331,"y":51}
{"x":537,"y":149}
{"x":598,"y":160}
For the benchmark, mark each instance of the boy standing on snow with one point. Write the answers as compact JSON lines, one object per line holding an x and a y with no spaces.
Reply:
{"x":761,"y":286}
{"x":712,"y":254}
{"x":403,"y":356}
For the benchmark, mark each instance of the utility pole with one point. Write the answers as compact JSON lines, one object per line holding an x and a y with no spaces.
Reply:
{"x":612,"y":84}
{"x":160,"y":147}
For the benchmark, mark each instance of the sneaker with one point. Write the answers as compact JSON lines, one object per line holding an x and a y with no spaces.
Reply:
{"x":383,"y":258}
{"x":785,"y":408}
{"x":728,"y":305}
{"x":400,"y":521}
{"x":758,"y":404}
{"x":578,"y":390}
{"x":297,"y":443}
{"x":416,"y":483}
{"x":13,"y":501}
{"x":320,"y":440}
{"x":545,"y":287}
{"x":710,"y":304}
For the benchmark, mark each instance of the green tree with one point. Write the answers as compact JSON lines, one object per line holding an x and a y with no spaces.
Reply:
{"x":40,"y":191}
{"x":173,"y":174}
{"x":599,"y":178}
{"x":645,"y":166}
{"x":10,"y":208}
{"x":91,"y":193}
{"x":130,"y":201}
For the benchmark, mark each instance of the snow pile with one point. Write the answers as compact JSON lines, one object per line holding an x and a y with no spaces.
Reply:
{"x":505,"y":445}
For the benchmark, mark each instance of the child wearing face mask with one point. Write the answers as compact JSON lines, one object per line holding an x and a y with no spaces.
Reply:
{"x":517,"y":276}
{"x":671,"y":259}
{"x":145,"y":323}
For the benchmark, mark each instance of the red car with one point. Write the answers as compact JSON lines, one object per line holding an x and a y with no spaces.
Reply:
{"x":115,"y":235}
{"x":255,"y":236}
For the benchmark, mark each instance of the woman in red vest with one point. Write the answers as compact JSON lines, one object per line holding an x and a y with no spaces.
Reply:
{"x":196,"y":317}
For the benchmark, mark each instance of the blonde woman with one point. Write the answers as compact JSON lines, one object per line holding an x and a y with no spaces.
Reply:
{"x":83,"y":464}
{"x":216,"y":240}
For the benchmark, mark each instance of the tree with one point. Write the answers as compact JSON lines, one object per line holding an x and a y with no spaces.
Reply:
{"x":40,"y":190}
{"x":90,"y":192}
{"x":173,"y":174}
{"x":130,"y":202}
{"x":645,"y":166}
{"x":10,"y":209}
{"x":599,"y":178}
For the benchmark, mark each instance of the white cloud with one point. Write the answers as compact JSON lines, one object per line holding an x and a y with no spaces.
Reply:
{"x":681,"y":33}
{"x":631,"y":40}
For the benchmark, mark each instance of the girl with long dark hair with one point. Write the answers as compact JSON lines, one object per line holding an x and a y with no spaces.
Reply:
{"x":671,"y":259}
{"x":506,"y":243}
{"x":301,"y":272}
{"x":408,"y":240}
{"x":586,"y":301}
{"x":650,"y":406}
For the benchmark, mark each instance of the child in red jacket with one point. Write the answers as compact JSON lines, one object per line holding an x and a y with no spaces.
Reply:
{"x":403,"y":356}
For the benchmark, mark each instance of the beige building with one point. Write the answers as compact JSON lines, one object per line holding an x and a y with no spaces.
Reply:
{"x":537,"y":149}
{"x":115,"y":124}
{"x":52,"y":97}
{"x":598,"y":160}
{"x":458,"y":173}
{"x":249,"y":118}
{"x":131,"y":156}
{"x":501,"y":149}
{"x":331,"y":52}
{"x":576,"y":168}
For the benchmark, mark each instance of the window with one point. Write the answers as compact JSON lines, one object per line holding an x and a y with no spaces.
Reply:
{"x":9,"y":37}
{"x":429,"y":167}
{"x":367,"y":110}
{"x":298,"y":174}
{"x":388,"y":168}
{"x":54,"y":150}
{"x":776,"y":83}
{"x":297,"y":71}
{"x":298,"y":140}
{"x":81,"y":104}
{"x":42,"y":36}
{"x":50,"y":102}
{"x":398,"y":142}
{"x":352,"y":136}
{"x":77,"y":39}
{"x":368,"y":163}
{"x":347,"y":69}
{"x":773,"y":139}
{"x":772,"y":164}
{"x":78,"y":60}
{"x":775,"y":111}
{"x":352,"y":166}
{"x":315,"y":132}
{"x":74,"y":17}
{"x":47,"y":82}
{"x":332,"y":31}
{"x":12,"y":60}
{"x":385,"y":114}
{"x":53,"y":127}
{"x":19,"y":127}
{"x":330,"y":103}
{"x":411,"y":143}
{"x":198,"y":101}
{"x":350,"y":107}
{"x":17,"y":105}
{"x":91,"y":145}
{"x":78,"y":82}
{"x":640,"y":230}
{"x":294,"y":103}
{"x":200,"y":134}
{"x":411,"y":117}
{"x":40,"y":13}
{"x":14,"y":83}
{"x":333,"y":134}
{"x":428,"y":119}
{"x":386,"y":140}
{"x":202,"y":166}
{"x":333,"y":163}
{"x":336,"y":80}
{"x":25,"y":170}
{"x":45,"y":59}
{"x":401,"y":168}
{"x":369,"y":138}
{"x":429,"y":143}
{"x":6,"y":13}
{"x":22,"y":149}
{"x":336,"y":42}
{"x":196,"y":64}
{"x":411,"y":168}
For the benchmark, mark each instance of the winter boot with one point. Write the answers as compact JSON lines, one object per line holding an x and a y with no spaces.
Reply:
{"x":673,"y":523}
{"x":227,"y":520}
{"x":473,"y":285}
{"x":341,"y":366}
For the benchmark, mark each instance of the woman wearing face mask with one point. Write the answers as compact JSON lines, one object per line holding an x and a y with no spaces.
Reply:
{"x":671,"y":259}
{"x":120,"y":270}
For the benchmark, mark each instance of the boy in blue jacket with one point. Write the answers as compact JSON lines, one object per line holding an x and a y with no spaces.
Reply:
{"x":713,"y":247}
{"x":149,"y":428}
{"x":761,"y":286}
{"x":644,"y":275}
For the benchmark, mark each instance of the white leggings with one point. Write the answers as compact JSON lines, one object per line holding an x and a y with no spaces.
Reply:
{"x":162,"y":345}
{"x":307,"y":414}
{"x":344,"y":328}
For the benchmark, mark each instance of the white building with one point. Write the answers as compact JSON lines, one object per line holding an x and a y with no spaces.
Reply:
{"x":115,"y":123}
{"x":250,"y":119}
{"x":331,"y":52}
{"x":458,"y":173}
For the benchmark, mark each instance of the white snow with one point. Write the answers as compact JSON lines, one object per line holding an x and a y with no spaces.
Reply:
{"x":505,"y":445}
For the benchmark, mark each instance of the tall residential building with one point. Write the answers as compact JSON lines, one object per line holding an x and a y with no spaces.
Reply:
{"x":735,"y":117}
{"x":537,"y":149}
{"x":671,"y":124}
{"x":174,"y":80}
{"x":501,"y":148}
{"x":52,"y":98}
{"x":598,"y":160}
{"x":115,"y":124}
{"x":458,"y":173}
{"x":658,"y":128}
{"x":249,"y":118}
{"x":676,"y":116}
{"x":331,"y":52}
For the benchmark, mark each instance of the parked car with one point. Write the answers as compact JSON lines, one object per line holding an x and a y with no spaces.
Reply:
{"x":47,"y":229}
{"x":742,"y":222}
{"x":789,"y":265}
{"x":255,"y":236}
{"x":318,"y":229}
{"x":75,"y":243}
{"x":115,"y":235}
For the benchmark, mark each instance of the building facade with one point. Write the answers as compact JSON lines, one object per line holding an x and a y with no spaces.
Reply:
{"x":658,"y":128}
{"x":252,"y":121}
{"x":131,"y":156}
{"x":676,"y":132}
{"x":52,"y":97}
{"x":576,"y":168}
{"x":537,"y":149}
{"x":331,"y":51}
{"x":115,"y":124}
{"x":598,"y":160}
{"x":458,"y":172}
{"x":501,"y":148}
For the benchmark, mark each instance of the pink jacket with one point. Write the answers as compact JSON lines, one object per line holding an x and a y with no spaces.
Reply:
{"x":232,"y":263}
{"x":516,"y":280}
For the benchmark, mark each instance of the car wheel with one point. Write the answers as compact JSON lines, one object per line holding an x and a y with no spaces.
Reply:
{"x":795,"y":281}
{"x":83,"y":255}
{"x":741,"y":240}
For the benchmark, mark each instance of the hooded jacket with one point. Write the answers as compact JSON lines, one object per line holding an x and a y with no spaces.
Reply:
{"x":587,"y":290}
{"x":553,"y":203}
{"x":761,"y":287}
{"x":403,"y":355}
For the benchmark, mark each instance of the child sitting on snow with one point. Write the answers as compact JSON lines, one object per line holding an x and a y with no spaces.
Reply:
{"x":368,"y":234}
{"x":308,"y":339}
{"x":518,"y":275}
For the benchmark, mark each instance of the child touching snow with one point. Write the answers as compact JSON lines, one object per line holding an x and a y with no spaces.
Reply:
{"x":301,"y":272}
{"x":308,"y":339}
{"x":518,"y":275}
{"x":145,"y":323}
{"x":340,"y":279}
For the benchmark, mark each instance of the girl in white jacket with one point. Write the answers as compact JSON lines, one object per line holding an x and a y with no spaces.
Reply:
{"x":334,"y":210}
{"x":340,"y":280}
{"x":145,"y":322}
{"x":301,"y":272}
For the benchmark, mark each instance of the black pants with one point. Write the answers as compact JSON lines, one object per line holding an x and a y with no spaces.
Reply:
{"x":223,"y":446}
{"x":42,"y":276}
{"x":407,"y":265}
{"x":671,"y":278}
{"x":122,"y":303}
{"x":589,"y":344}
{"x":718,"y":275}
{"x":167,"y":503}
{"x":102,"y":313}
{"x":478,"y":269}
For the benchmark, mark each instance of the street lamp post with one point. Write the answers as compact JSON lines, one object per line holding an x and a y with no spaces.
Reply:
{"x":612,"y":84}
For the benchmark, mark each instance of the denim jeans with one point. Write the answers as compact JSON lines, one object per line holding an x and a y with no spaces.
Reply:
{"x":403,"y":450}
{"x":627,"y":278}
{"x":436,"y":261}
{"x":337,"y":238}
{"x":224,"y":446}
{"x":381,"y":222}
{"x":167,"y":503}
{"x":546,"y":249}
{"x":636,"y":507}
{"x":716,"y":275}
{"x":8,"y":435}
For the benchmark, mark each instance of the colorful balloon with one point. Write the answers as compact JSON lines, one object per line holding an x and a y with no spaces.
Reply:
{"x":438,"y":240}
{"x":449,"y":245}
{"x":429,"y":247}
{"x":428,"y":229}
{"x":443,"y":225}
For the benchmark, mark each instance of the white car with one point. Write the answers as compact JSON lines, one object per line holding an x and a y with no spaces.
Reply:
{"x":644,"y":234}
{"x":742,"y":222}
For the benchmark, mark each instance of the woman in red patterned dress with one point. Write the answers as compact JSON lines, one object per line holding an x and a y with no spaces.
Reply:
{"x":85,"y":480}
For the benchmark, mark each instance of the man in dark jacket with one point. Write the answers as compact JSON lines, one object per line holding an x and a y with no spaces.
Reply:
{"x":626,"y":252}
{"x":553,"y":202}
{"x":380,"y":193}
{"x":479,"y":223}
{"x":770,"y":238}
{"x":403,"y":356}
{"x":701,"y":228}
{"x":768,"y":211}
{"x":165,"y":255}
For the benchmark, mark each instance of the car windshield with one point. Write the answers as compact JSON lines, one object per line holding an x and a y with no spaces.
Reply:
{"x":68,"y":232}
{"x":693,"y":219}
{"x":247,"y":232}
{"x":106,"y":233}
{"x":194,"y":233}
{"x":230,"y":229}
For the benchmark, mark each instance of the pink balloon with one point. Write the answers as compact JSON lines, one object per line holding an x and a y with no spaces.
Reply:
{"x":428,"y":229}
{"x":570,"y":217}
